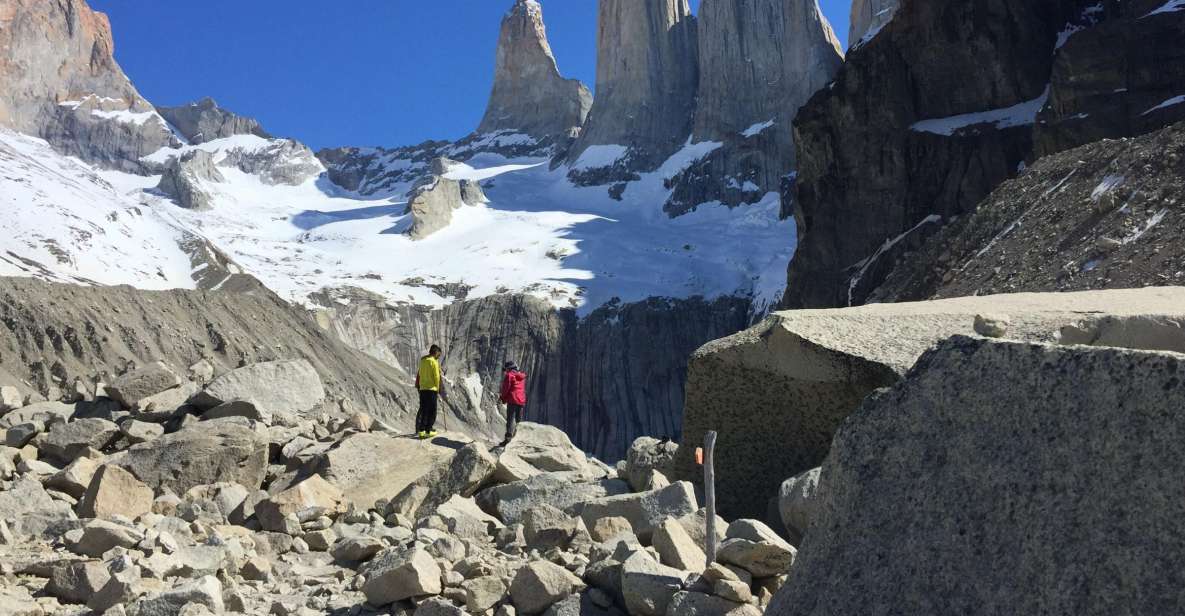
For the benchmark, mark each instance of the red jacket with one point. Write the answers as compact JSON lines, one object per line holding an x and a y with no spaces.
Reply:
{"x":514,"y":388}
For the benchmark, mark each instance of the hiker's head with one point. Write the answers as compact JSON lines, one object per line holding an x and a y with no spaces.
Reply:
{"x":435,"y":351}
{"x":509,"y":366}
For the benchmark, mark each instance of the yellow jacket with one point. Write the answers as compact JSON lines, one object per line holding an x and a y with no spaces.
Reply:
{"x":428,"y":378}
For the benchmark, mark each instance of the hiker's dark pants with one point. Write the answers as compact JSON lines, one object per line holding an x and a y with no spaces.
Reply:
{"x":426,"y":418}
{"x":514,"y":416}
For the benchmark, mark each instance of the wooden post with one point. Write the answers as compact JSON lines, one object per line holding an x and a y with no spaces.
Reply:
{"x":710,"y":493}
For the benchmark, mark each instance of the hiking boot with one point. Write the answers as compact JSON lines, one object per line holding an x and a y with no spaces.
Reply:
{"x":431,"y":434}
{"x":422,"y":435}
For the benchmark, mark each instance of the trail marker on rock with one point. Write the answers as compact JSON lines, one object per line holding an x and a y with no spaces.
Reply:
{"x":708,"y":457}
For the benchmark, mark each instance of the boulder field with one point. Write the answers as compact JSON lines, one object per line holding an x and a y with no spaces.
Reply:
{"x":240,"y":493}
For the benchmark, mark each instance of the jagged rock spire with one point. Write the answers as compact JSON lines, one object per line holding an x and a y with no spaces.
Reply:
{"x":760,"y":60}
{"x":530,"y":96}
{"x":647,"y":75}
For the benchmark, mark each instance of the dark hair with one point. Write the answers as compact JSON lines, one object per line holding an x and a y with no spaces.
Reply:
{"x":435,"y":349}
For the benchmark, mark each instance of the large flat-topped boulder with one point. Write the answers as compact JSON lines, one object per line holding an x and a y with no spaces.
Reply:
{"x":369,"y":467}
{"x":778,"y":392}
{"x":1005,"y":478}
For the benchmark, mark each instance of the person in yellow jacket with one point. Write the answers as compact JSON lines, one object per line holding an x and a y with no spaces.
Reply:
{"x":428,"y":382}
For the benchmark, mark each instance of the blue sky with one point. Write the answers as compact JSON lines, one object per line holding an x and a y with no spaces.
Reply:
{"x":349,"y":72}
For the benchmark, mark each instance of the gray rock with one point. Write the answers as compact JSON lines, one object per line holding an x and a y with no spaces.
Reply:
{"x":75,"y":582}
{"x":30,"y":511}
{"x":183,"y":177}
{"x":545,"y":527}
{"x":237,"y":408}
{"x":206,"y":592}
{"x":205,"y":120}
{"x":648,"y":587}
{"x":1059,"y":437}
{"x":438,"y":606}
{"x":221,"y":499}
{"x":272,"y":387}
{"x":100,"y":536}
{"x":432,"y":201}
{"x":122,"y":588}
{"x":374,"y":466}
{"x":469,"y":470}
{"x":42,"y":413}
{"x":530,"y":96}
{"x":10,"y":399}
{"x":649,"y":454}
{"x":511,"y":501}
{"x":141,"y":383}
{"x":539,"y":448}
{"x":647,"y":73}
{"x":67,"y":441}
{"x":676,"y":548}
{"x":209,"y":453}
{"x":697,"y":528}
{"x":484,"y":593}
{"x":796,"y":502}
{"x":583,"y":605}
{"x":21,"y":434}
{"x":699,"y":604}
{"x":541,"y":584}
{"x":308,"y":499}
{"x":646,"y":510}
{"x":604,"y":529}
{"x":992,"y":325}
{"x":137,"y":432}
{"x":282,"y":162}
{"x":399,"y":574}
{"x":756,"y":548}
{"x":357,"y":549}
{"x":115,"y":491}
{"x":828,"y":361}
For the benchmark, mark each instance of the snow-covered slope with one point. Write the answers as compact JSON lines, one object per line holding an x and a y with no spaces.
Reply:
{"x":577,"y":247}
{"x":63,"y":221}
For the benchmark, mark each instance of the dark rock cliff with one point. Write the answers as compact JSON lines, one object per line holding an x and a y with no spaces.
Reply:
{"x":605,"y":379}
{"x":932,"y":113}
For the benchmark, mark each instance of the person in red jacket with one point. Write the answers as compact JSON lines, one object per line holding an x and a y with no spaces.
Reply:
{"x":514,"y":396}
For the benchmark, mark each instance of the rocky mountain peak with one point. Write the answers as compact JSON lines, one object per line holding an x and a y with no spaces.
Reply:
{"x":205,"y":120}
{"x":647,"y":75}
{"x":759,"y":62}
{"x":530,"y":96}
{"x":62,"y":83}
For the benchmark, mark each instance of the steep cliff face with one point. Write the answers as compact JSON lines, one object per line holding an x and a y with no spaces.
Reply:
{"x":203,"y":121}
{"x":1120,"y":71}
{"x":759,"y":62}
{"x":868,"y":17}
{"x":605,"y":379}
{"x":530,"y":96}
{"x":61,"y":83}
{"x":647,"y":75}
{"x":924,"y":120}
